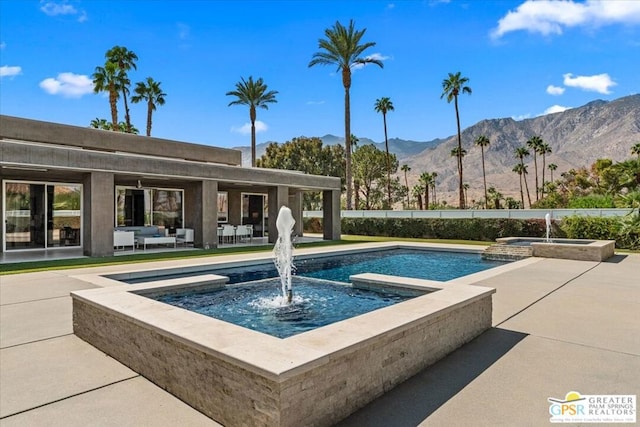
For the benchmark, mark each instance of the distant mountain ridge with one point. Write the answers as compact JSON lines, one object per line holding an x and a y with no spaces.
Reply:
{"x":578,"y":137}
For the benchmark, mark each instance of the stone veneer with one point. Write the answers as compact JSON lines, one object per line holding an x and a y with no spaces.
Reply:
{"x":576,"y":249}
{"x":242,"y":377}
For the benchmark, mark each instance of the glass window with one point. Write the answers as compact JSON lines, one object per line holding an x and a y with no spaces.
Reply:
{"x":64,"y":215}
{"x":223,"y":206}
{"x":39,"y":215}
{"x":149,"y":206}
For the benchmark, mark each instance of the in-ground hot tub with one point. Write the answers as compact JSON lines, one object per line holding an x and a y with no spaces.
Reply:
{"x":577,"y":249}
{"x":238,"y":376}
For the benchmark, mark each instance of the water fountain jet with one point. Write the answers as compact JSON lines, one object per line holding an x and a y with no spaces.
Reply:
{"x":283,"y":251}
{"x":547,"y":219}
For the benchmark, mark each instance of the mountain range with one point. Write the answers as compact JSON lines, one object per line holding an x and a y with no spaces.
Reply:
{"x":577,"y":136}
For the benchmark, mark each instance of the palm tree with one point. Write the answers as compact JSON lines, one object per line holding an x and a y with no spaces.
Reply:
{"x":107,"y":79}
{"x":98,"y":123}
{"x":342,"y":48}
{"x":535,"y":143}
{"x":520,"y":169}
{"x":354,"y":143}
{"x":253,"y":94}
{"x":433,"y":186}
{"x":405,"y":168}
{"x":417,"y":191}
{"x":543,"y":151}
{"x":521,"y":153}
{"x":496,"y":196}
{"x":383,"y":105}
{"x":152,"y":94}
{"x":482,"y":141}
{"x":125,"y":60}
{"x":451,"y":88}
{"x":426,"y":179}
{"x":636,"y":150}
{"x":552,"y":167}
{"x":465,"y":187}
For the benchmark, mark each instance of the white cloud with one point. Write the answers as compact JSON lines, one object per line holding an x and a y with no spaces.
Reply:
{"x":315,"y":102}
{"x":8,"y":71}
{"x":378,"y":56}
{"x":552,"y":17}
{"x":68,"y":85}
{"x":522,"y":117}
{"x":391,"y":6}
{"x":245,"y":129}
{"x":555,"y":90}
{"x":52,"y":8}
{"x":600,"y":83}
{"x":2,"y":45}
{"x":555,"y":109}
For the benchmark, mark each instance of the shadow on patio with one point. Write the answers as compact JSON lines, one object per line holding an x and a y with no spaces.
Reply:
{"x":421,"y":395}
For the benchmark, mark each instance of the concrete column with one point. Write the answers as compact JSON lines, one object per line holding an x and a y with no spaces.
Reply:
{"x":98,"y":217}
{"x":235,"y":207}
{"x":278,"y":197}
{"x":295,"y":204}
{"x":201,"y":212}
{"x":332,"y":228}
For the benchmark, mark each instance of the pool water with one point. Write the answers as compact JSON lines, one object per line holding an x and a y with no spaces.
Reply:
{"x":260,"y":307}
{"x":415,"y":263}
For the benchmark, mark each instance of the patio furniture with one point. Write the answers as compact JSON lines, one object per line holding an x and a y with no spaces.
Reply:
{"x":228,"y":233}
{"x":155,"y":241}
{"x":184,"y":236}
{"x":244,"y":232}
{"x":124,"y":239}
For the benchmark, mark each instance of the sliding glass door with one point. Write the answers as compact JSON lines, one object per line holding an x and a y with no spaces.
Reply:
{"x":41,"y":215}
{"x":149,"y":206}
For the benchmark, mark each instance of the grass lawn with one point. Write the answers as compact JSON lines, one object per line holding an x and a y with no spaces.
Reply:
{"x":62,"y":264}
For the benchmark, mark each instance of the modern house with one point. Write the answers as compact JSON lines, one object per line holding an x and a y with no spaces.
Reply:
{"x":65,"y":186}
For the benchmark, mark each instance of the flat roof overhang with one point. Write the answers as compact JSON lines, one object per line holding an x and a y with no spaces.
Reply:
{"x":32,"y":159}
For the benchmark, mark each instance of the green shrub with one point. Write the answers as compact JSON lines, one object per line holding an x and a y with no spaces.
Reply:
{"x":625,"y":231}
{"x":592,"y":201}
{"x":438,"y":228}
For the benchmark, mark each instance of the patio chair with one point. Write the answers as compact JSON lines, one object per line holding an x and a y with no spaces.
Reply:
{"x":228,"y":233}
{"x":242,"y":232}
{"x":184,"y":236}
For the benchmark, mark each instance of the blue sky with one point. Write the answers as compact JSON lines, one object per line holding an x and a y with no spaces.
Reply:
{"x":523,"y":58}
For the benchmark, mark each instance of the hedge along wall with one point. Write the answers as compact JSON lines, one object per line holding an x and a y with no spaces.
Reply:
{"x":437,"y":228}
{"x":624,"y":230}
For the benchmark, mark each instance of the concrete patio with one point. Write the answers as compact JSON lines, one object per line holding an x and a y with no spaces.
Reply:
{"x":559,"y":326}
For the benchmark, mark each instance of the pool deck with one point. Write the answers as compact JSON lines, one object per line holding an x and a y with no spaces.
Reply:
{"x":559,"y":326}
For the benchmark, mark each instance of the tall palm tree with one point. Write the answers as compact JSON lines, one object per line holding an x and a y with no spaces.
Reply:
{"x":521,"y":153}
{"x":150,"y":92}
{"x":417,"y":191}
{"x":482,"y":141}
{"x":636,"y":150}
{"x":342,"y":48}
{"x":534,"y":143}
{"x":255,"y":95}
{"x":520,"y":169}
{"x":426,"y":179}
{"x":107,"y":79}
{"x":552,"y":167}
{"x":384,"y":105}
{"x":433,"y":187}
{"x":405,"y":168}
{"x":452,"y":86}
{"x":125,"y":60}
{"x":543,"y":151}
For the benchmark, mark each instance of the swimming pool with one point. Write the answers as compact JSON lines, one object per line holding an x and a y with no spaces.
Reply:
{"x":414,"y":263}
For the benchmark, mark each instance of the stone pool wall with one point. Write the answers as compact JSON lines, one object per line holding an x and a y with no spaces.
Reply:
{"x":243,"y":378}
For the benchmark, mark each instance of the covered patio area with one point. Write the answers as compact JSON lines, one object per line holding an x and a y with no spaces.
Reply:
{"x":66,"y":188}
